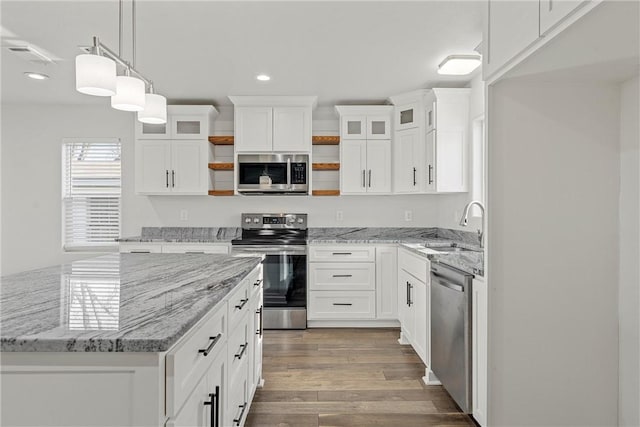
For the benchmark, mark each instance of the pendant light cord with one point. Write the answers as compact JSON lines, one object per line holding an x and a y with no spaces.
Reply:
{"x":133,"y":31}
{"x":120,"y":28}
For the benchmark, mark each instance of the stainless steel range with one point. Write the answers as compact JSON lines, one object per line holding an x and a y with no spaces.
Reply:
{"x":282,"y":239}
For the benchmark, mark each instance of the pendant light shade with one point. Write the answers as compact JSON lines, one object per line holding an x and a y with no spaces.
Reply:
{"x":95,"y":75}
{"x":129,"y":94}
{"x":155,"y":110}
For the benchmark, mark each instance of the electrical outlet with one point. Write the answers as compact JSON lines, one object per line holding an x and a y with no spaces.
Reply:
{"x":339,"y":216}
{"x":184,"y":215}
{"x":408,"y":216}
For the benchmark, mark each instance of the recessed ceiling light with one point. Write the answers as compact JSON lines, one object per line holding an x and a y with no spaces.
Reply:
{"x":36,"y":76}
{"x":459,"y":65}
{"x":263,"y":77}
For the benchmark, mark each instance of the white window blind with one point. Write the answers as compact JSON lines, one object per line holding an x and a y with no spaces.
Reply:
{"x":91,"y":192}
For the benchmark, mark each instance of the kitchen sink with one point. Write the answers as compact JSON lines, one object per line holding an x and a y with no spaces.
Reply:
{"x":452,"y":249}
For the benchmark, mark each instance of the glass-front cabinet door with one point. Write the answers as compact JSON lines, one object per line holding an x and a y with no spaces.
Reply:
{"x":378,"y":127}
{"x":354,"y":127}
{"x":406,"y":116}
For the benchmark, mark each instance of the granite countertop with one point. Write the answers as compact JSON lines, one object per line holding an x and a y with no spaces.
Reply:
{"x":115,"y":303}
{"x":185,"y":235}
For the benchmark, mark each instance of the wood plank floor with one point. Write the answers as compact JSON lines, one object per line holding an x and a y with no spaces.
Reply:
{"x":347,"y":377}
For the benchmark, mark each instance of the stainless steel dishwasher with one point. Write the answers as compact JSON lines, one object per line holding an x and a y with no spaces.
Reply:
{"x":451,"y":331}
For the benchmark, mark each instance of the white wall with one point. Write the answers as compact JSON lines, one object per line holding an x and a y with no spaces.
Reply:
{"x":553,"y":184}
{"x":629,"y":293}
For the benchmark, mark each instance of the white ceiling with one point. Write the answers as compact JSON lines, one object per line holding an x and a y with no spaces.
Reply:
{"x":343,"y":52}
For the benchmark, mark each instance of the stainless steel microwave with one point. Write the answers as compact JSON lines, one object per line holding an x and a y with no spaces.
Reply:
{"x":260,"y":174}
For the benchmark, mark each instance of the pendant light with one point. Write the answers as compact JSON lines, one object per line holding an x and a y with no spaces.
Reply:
{"x":129,"y":94}
{"x":95,"y":74}
{"x":155,"y":109}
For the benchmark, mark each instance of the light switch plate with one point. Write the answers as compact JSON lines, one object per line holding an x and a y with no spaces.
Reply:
{"x":408,"y":216}
{"x":339,"y":216}
{"x":184,"y":215}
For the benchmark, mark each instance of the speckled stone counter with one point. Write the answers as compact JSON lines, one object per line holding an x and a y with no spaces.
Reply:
{"x":186,"y":234}
{"x":114,"y":303}
{"x":468,"y":261}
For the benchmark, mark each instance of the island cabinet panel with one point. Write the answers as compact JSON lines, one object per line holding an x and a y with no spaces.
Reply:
{"x":188,"y":362}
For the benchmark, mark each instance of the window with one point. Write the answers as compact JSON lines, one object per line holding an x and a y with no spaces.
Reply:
{"x":91,"y":192}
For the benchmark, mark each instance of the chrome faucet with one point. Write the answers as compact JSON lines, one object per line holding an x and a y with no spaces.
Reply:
{"x":464,"y":221}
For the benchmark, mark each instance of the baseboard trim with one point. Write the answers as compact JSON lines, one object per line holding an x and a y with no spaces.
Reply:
{"x":353,"y":324}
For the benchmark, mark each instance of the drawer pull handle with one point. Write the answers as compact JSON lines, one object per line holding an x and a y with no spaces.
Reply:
{"x":343,"y":275}
{"x":260,"y":311}
{"x":215,"y":407}
{"x":236,"y":421}
{"x":142,"y":251}
{"x":243,"y":348}
{"x":341,"y":253}
{"x":243,"y":302}
{"x":342,"y":303}
{"x":257,"y":282}
{"x":194,"y":252}
{"x":214,"y":341}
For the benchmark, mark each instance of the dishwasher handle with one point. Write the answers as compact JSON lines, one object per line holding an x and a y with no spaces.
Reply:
{"x":446,"y":283}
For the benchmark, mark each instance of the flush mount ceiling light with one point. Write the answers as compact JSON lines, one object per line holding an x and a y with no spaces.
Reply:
{"x":459,"y":65}
{"x":263,"y":77}
{"x":36,"y":76}
{"x":96,"y":74}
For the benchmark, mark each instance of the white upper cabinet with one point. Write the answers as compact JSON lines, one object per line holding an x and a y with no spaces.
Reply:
{"x":552,"y":12}
{"x":265,"y":124}
{"x":253,"y":128}
{"x":408,"y":167}
{"x":407,"y":116}
{"x":176,"y":167}
{"x":291,"y":129}
{"x":153,"y":131}
{"x":183,"y":122}
{"x":510,"y":27}
{"x":365,"y":150}
{"x":430,"y":158}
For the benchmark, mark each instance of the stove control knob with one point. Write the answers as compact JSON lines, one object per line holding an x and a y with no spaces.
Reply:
{"x":256,"y":220}
{"x":291,"y":219}
{"x":247,"y":220}
{"x":300,"y":220}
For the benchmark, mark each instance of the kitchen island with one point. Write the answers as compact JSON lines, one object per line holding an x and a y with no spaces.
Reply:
{"x":132,"y":339}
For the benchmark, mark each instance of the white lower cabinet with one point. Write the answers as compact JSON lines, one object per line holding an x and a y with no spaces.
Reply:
{"x":479,"y":328}
{"x":352,"y":283}
{"x":413,"y":302}
{"x":175,"y":248}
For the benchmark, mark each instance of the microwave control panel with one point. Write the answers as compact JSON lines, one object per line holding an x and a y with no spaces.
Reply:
{"x":298,"y":173}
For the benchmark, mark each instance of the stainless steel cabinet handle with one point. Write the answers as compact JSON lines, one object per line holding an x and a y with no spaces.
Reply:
{"x":342,"y":303}
{"x":410,"y":289}
{"x":236,"y":421}
{"x":214,"y":340}
{"x":260,"y":311}
{"x":363,"y":178}
{"x":194,"y":252}
{"x":140,"y":252}
{"x":407,"y":293}
{"x":430,"y":174}
{"x":341,"y":253}
{"x":167,"y":175}
{"x":243,"y":348}
{"x":343,"y":275}
{"x":414,"y":177}
{"x":243,"y":302}
{"x":173,"y":178}
{"x":369,"y":178}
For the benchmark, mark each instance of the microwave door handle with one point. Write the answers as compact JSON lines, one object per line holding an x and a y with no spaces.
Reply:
{"x":289,"y":173}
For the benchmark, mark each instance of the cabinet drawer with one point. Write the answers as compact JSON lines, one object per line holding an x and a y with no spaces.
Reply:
{"x":254,"y":281}
{"x":239,"y":303}
{"x":342,"y":253}
{"x":339,"y":305}
{"x":238,"y":349}
{"x":414,"y":264}
{"x":331,"y":276}
{"x":189,"y":359}
{"x":143,"y":248}
{"x":238,"y":405}
{"x":195,"y":249}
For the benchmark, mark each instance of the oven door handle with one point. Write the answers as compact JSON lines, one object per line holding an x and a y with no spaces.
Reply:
{"x":289,"y":185}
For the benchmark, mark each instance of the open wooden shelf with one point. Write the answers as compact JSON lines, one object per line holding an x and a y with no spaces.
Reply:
{"x":315,"y":140}
{"x":325,"y":140}
{"x":221,"y":139}
{"x":326,"y":166}
{"x":221,"y":192}
{"x":325,"y":192}
{"x":221,"y":166}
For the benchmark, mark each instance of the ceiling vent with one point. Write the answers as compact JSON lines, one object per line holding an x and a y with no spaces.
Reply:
{"x":30,"y":54}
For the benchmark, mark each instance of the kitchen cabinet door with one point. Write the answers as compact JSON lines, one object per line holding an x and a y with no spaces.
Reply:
{"x":430,"y":157}
{"x":354,"y":127}
{"x":189,"y":126}
{"x":451,"y":164}
{"x":194,"y":413}
{"x":386,"y":283}
{"x":153,"y":131}
{"x":479,"y":354}
{"x":253,"y":129}
{"x":188,"y":167}
{"x":379,"y":166}
{"x":406,"y":310}
{"x":408,"y":165}
{"x":406,"y":116}
{"x":353,"y":165}
{"x":420,"y":299}
{"x":552,"y":12}
{"x":379,"y":127}
{"x":291,"y":129}
{"x":153,"y":167}
{"x":510,"y":28}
